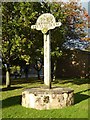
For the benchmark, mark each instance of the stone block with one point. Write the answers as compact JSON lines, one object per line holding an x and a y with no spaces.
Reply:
{"x":43,"y":98}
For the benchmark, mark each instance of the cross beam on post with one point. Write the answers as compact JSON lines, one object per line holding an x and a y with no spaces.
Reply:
{"x":45,"y":23}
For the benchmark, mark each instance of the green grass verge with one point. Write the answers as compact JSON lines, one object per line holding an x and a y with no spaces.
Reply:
{"x":12,"y":108}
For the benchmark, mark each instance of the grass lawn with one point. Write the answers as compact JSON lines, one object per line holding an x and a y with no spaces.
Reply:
{"x":11,"y":100}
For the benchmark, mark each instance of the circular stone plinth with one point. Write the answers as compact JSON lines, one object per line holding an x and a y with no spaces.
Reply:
{"x":43,"y":98}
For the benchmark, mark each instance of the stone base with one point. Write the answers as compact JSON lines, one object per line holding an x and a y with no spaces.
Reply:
{"x":43,"y":98}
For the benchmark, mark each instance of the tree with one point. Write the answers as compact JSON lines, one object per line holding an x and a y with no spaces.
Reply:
{"x":17,"y":39}
{"x":7,"y":36}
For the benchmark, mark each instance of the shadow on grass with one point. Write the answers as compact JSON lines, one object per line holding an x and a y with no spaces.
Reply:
{"x":76,"y":81}
{"x":10,"y":88}
{"x":78,"y":97}
{"x":23,"y":81}
{"x":12,"y":101}
{"x":73,"y":81}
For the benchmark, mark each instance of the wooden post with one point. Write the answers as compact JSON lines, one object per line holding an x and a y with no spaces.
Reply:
{"x":47,"y":60}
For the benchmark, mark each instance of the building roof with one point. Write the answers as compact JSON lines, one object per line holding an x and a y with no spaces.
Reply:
{"x":79,"y":44}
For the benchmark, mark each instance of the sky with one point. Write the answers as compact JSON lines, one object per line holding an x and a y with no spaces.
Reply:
{"x":85,"y":4}
{"x":74,"y":0}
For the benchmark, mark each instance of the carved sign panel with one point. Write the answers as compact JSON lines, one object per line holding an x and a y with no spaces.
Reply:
{"x":46,"y":22}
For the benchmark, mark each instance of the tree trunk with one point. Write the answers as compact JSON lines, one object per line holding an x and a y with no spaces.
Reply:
{"x":54,"y":70}
{"x":38,"y":72}
{"x":8,"y":81}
